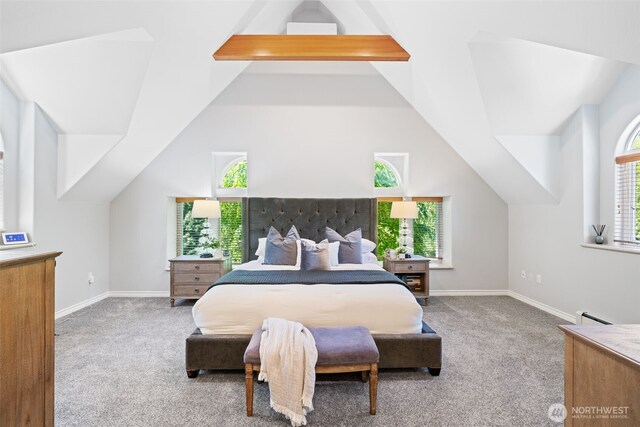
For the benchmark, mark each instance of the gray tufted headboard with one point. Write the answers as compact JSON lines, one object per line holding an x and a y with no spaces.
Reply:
{"x":310,"y":216}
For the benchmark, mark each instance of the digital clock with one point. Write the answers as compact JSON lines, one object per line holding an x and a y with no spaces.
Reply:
{"x":14,"y":238}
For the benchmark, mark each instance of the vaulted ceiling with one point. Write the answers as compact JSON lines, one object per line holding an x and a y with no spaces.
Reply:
{"x":498,"y":80}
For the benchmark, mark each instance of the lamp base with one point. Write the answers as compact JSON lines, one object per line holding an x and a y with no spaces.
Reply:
{"x":206,"y":255}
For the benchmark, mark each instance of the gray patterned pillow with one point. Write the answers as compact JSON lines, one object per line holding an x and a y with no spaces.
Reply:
{"x":350,"y":251}
{"x":315,"y":256}
{"x":281,"y":250}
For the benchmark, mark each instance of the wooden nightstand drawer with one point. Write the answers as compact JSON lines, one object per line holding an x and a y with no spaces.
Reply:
{"x":190,"y":291}
{"x":195,"y":278}
{"x":192,"y":275}
{"x":204,"y":267}
{"x":408,"y":266}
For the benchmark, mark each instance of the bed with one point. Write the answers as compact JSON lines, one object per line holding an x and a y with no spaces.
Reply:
{"x":228,"y":313}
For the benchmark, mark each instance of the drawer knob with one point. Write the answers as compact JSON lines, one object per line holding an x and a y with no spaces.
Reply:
{"x":409,"y":267}
{"x":197,"y":267}
{"x":196,"y":278}
{"x":197,"y":290}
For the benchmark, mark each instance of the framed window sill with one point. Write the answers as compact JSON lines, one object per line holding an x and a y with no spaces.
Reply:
{"x":439,"y":266}
{"x":23,"y":245}
{"x":615,"y":248}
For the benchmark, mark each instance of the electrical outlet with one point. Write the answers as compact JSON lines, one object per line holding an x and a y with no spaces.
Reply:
{"x":539,"y":278}
{"x":92,"y":279}
{"x":530,"y":277}
{"x":523,"y":274}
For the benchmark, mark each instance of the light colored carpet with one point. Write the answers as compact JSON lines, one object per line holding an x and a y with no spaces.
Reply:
{"x":120,"y":362}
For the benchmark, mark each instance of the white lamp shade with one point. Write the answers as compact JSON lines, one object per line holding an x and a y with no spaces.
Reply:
{"x":206,"y":209}
{"x":404,"y":210}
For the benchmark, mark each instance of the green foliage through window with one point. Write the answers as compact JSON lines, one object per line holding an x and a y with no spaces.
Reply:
{"x":388,"y":229}
{"x":236,"y":176}
{"x":425,"y":230}
{"x":231,"y":229}
{"x":426,"y":234}
{"x":190,"y":230}
{"x":384,"y":176}
{"x":231,"y":221}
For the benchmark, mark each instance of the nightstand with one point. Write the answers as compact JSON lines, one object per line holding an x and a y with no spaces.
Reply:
{"x":413,"y":271}
{"x":191,"y":275}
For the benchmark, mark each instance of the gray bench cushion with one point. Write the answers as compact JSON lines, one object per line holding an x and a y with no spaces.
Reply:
{"x":348,"y":345}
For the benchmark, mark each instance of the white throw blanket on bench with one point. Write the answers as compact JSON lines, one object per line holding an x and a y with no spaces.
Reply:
{"x":288,"y":358}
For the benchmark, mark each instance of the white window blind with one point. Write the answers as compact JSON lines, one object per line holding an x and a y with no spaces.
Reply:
{"x":428,"y":227}
{"x":627,"y":226}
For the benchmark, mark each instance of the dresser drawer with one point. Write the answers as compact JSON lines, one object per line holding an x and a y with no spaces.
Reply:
{"x":214,"y":267}
{"x":189,"y":290}
{"x":408,"y":267}
{"x":195,"y":278}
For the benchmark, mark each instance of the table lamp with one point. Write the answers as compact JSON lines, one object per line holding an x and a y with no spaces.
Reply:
{"x":206,"y":209}
{"x":404,"y":211}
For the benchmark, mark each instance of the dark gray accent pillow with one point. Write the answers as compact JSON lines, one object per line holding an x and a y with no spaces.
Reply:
{"x":315,"y":257}
{"x":280,"y":250}
{"x":350,"y":251}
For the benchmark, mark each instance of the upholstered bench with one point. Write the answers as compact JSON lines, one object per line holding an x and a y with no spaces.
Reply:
{"x":340,"y":349}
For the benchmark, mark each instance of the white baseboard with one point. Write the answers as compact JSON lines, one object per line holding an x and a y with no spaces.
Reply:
{"x":139,"y":294}
{"x":544,"y":307}
{"x":80,"y":305}
{"x":469,"y":293}
{"x":116,"y":294}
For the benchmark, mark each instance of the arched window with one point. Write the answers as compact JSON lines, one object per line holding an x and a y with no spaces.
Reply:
{"x":235,"y":175}
{"x":385,"y":175}
{"x":627,"y":230}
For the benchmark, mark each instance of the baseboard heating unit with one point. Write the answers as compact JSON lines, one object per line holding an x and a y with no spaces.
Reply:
{"x":586,"y":319}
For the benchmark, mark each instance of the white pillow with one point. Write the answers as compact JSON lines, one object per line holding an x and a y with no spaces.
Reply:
{"x":369,"y":258}
{"x":262,"y":243}
{"x":334,"y":248}
{"x":367,"y":246}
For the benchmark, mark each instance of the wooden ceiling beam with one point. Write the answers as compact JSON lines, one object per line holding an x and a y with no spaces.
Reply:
{"x":245,"y":47}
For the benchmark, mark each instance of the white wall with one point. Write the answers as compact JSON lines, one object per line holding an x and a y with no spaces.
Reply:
{"x":546,"y":239}
{"x":309,"y":136}
{"x":80,"y":230}
{"x":9,"y":126}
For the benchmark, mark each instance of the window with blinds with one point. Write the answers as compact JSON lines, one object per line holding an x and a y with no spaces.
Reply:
{"x":189,"y":229}
{"x":427,"y":229}
{"x":627,"y":227}
{"x":231,"y":228}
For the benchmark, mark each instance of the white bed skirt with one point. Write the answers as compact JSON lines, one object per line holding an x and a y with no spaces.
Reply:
{"x":240,"y":309}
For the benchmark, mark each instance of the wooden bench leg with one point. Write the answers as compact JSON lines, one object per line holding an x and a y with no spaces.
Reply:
{"x":248,"y":376}
{"x":373,"y":388}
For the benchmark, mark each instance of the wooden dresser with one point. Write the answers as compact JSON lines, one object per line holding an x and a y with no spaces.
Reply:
{"x":26,"y":337}
{"x":413,"y":271}
{"x":602,"y":375}
{"x":192,"y":275}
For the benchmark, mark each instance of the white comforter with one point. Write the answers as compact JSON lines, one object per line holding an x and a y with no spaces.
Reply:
{"x":241,"y":309}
